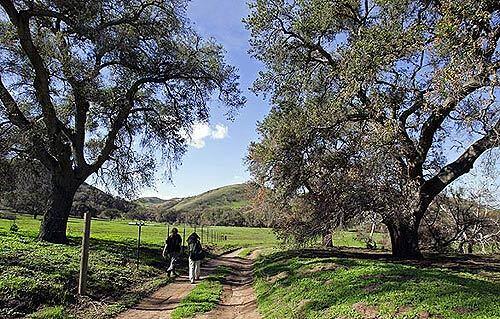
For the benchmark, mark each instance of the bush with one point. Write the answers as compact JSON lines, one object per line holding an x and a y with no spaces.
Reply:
{"x":111,"y":214}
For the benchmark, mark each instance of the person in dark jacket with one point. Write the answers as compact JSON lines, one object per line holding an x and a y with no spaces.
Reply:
{"x":172,"y":250}
{"x":196,"y":255}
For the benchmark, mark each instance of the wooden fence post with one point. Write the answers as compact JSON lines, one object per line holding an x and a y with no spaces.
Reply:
{"x":184,"y":239}
{"x":84,"y":262}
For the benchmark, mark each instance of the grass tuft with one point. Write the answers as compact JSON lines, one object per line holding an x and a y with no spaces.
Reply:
{"x":57,"y":312}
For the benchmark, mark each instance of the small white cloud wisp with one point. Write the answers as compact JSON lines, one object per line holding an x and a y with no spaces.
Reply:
{"x":202,"y":131}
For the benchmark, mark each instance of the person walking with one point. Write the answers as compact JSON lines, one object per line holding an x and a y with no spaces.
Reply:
{"x":196,"y":255}
{"x":172,"y":250}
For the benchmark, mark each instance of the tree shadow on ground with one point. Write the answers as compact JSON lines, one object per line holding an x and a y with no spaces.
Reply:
{"x":466,"y":263}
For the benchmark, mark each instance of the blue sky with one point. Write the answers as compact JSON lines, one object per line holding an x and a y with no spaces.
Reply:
{"x":216,"y":155}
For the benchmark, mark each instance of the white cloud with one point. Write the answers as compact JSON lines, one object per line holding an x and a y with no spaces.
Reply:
{"x":220,"y":132}
{"x":202,"y":131}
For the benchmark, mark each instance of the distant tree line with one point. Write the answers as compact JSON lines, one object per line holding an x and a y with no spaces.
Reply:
{"x":219,"y":215}
{"x":25,"y":189}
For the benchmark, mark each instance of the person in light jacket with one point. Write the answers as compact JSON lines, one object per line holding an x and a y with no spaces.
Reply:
{"x":196,"y":255}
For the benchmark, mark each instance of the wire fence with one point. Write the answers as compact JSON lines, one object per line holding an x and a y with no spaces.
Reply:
{"x":208,"y":234}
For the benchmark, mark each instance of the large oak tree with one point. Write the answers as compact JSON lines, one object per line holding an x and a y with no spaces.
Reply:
{"x":421,"y":75}
{"x":103,"y":87}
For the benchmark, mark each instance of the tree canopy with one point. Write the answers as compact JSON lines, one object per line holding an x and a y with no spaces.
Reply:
{"x":104,"y":87}
{"x":408,"y":82}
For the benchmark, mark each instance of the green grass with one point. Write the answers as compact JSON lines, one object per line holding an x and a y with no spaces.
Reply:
{"x":51,"y":313}
{"x":350,"y":239}
{"x":153,"y":234}
{"x":203,"y":298}
{"x":35,"y":274}
{"x":293,"y":285}
{"x":245,"y":252}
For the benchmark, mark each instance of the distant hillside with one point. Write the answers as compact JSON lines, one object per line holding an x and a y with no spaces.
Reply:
{"x":90,"y":198}
{"x":147,"y":201}
{"x":229,"y":205}
{"x":232,"y":196}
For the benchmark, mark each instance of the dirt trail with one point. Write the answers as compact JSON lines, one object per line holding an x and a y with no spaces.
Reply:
{"x":161,"y":303}
{"x":238,"y":298}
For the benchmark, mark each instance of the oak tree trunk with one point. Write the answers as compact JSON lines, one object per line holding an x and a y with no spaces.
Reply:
{"x":404,"y":240}
{"x":55,"y":220}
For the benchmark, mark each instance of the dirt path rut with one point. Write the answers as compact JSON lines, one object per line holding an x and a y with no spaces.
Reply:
{"x":238,"y":298}
{"x":161,"y":303}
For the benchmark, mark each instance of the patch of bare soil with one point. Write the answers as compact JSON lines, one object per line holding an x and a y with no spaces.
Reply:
{"x":321,"y":268}
{"x":161,"y":303}
{"x":402,"y":311}
{"x":368,"y":312}
{"x":428,"y":315}
{"x":280,"y":276}
{"x":372,"y":287}
{"x":463,"y":310}
{"x":238,"y":298}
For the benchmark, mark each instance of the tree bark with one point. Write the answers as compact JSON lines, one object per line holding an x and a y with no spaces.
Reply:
{"x":55,"y":220}
{"x":327,"y":239}
{"x":470,"y":249}
{"x":404,"y":239}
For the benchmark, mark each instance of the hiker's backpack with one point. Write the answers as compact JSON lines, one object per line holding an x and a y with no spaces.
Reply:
{"x":196,"y":251}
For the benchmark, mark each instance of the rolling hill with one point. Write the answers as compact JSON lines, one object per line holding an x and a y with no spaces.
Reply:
{"x":232,"y":196}
{"x":146,"y":201}
{"x":228,"y":205}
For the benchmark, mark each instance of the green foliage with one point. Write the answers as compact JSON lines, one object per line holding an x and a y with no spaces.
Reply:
{"x":91,"y":199}
{"x":203,"y":298}
{"x":140,"y":73}
{"x":14,"y":228}
{"x":110,"y":89}
{"x":296,"y":284}
{"x":153,"y":234}
{"x":34,"y":273}
{"x":245,"y":252}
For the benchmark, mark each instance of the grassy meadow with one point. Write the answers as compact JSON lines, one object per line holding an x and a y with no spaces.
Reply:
{"x":152,"y":234}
